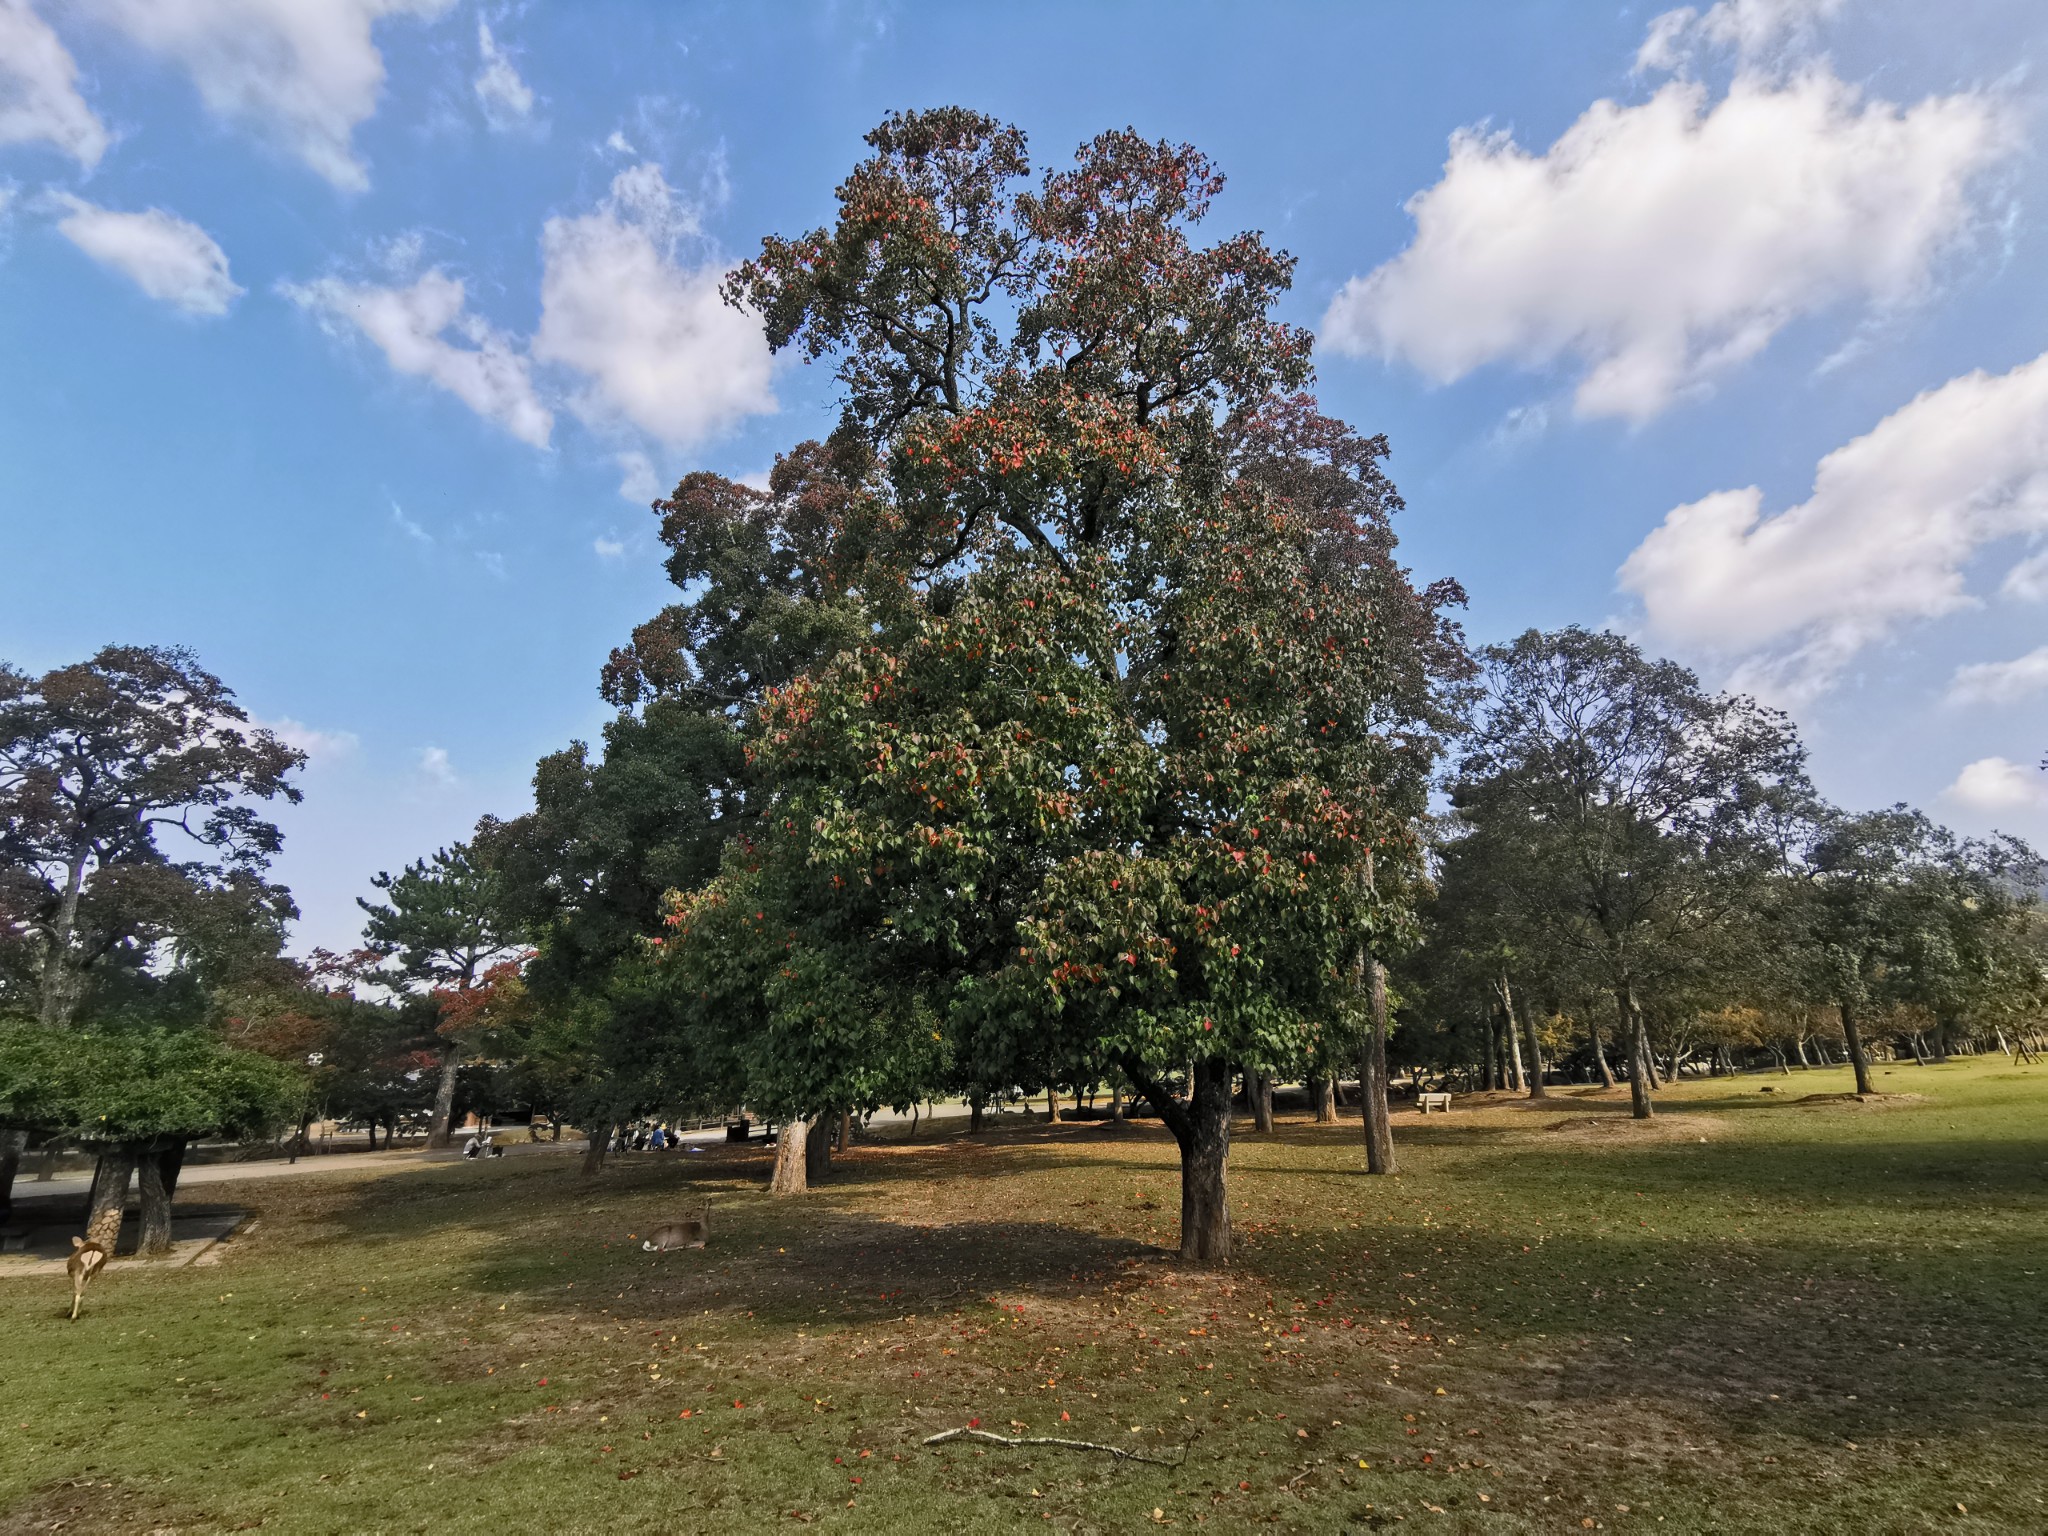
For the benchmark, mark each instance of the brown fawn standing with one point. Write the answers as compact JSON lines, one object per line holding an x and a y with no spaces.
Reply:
{"x":87,"y":1259}
{"x":688,"y":1233}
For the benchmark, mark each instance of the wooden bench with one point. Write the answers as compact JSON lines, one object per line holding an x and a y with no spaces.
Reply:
{"x":1428,"y":1101}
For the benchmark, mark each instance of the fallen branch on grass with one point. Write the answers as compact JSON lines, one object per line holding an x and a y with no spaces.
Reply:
{"x":1067,"y":1445}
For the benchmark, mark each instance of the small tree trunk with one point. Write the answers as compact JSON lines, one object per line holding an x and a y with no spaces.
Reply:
{"x":1599,"y":1051}
{"x":845,"y":1139}
{"x":1535,"y":1046}
{"x":1372,"y":1074}
{"x":1639,"y":1068}
{"x":1940,"y":1038}
{"x":1258,"y":1087}
{"x":11,"y":1145}
{"x":1487,"y":1074}
{"x":441,"y":1131}
{"x":110,"y":1194}
{"x":791,"y":1164}
{"x":1857,"y":1058}
{"x":155,"y":1239}
{"x":1323,"y":1090}
{"x":1052,"y":1105}
{"x":1116,"y":1100}
{"x":974,"y":1114}
{"x":595,"y":1148}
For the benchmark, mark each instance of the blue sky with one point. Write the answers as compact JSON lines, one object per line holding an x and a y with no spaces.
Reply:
{"x":345,"y":340}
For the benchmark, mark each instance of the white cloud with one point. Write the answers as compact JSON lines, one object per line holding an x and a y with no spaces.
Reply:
{"x":489,"y":375}
{"x":39,"y":98}
{"x":409,"y":528}
{"x":2000,"y":682}
{"x":2028,"y":579}
{"x":506,"y":99}
{"x":167,"y":257}
{"x":638,"y":482}
{"x":306,"y":71}
{"x":320,"y":746}
{"x":656,"y":344}
{"x":1751,"y":29}
{"x":609,"y":549}
{"x":1657,"y":244}
{"x":1994,"y":784}
{"x":1894,"y":518}
{"x":436,"y":769}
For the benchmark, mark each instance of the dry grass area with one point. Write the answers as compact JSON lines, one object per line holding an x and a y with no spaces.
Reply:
{"x":1753,"y":1314}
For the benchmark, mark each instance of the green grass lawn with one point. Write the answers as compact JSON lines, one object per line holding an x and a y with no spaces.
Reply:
{"x":1754,"y":1315}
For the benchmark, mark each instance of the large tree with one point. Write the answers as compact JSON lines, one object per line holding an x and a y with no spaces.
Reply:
{"x":129,"y":829}
{"x":126,"y":785}
{"x":1123,"y":766}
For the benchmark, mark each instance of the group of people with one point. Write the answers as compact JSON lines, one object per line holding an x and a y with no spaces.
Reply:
{"x":644,"y":1138}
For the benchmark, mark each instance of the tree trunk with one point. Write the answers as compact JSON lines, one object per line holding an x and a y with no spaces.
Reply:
{"x":440,"y":1131}
{"x":171,"y":1162}
{"x":1372,"y":1075}
{"x":1534,"y":1072}
{"x":1052,"y":1105}
{"x":110,"y":1183}
{"x":155,"y":1239}
{"x":1204,"y":1159}
{"x":791,"y":1163}
{"x":1486,"y":1069}
{"x":1516,"y":1074}
{"x":845,"y":1141}
{"x":1857,"y":1059}
{"x":974,"y":1114}
{"x":1323,"y":1090}
{"x":59,"y":981}
{"x":1258,"y":1087}
{"x":11,"y":1145}
{"x":818,"y":1150}
{"x":596,"y":1147}
{"x":1599,"y":1051}
{"x":1940,"y":1038}
{"x":1639,"y":1068}
{"x":1116,"y":1101}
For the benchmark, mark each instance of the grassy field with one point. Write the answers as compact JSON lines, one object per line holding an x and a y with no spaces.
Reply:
{"x":1756,"y":1314}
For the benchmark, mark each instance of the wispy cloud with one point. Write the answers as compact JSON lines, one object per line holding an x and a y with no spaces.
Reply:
{"x":39,"y":98}
{"x":507,"y":100}
{"x":409,"y":528}
{"x":435,"y":768}
{"x":2000,"y":682}
{"x":167,"y":257}
{"x":304,"y":73}
{"x":482,"y":366}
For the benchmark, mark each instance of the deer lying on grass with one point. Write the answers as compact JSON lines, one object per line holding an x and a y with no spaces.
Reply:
{"x":688,"y":1233}
{"x":87,"y":1259}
